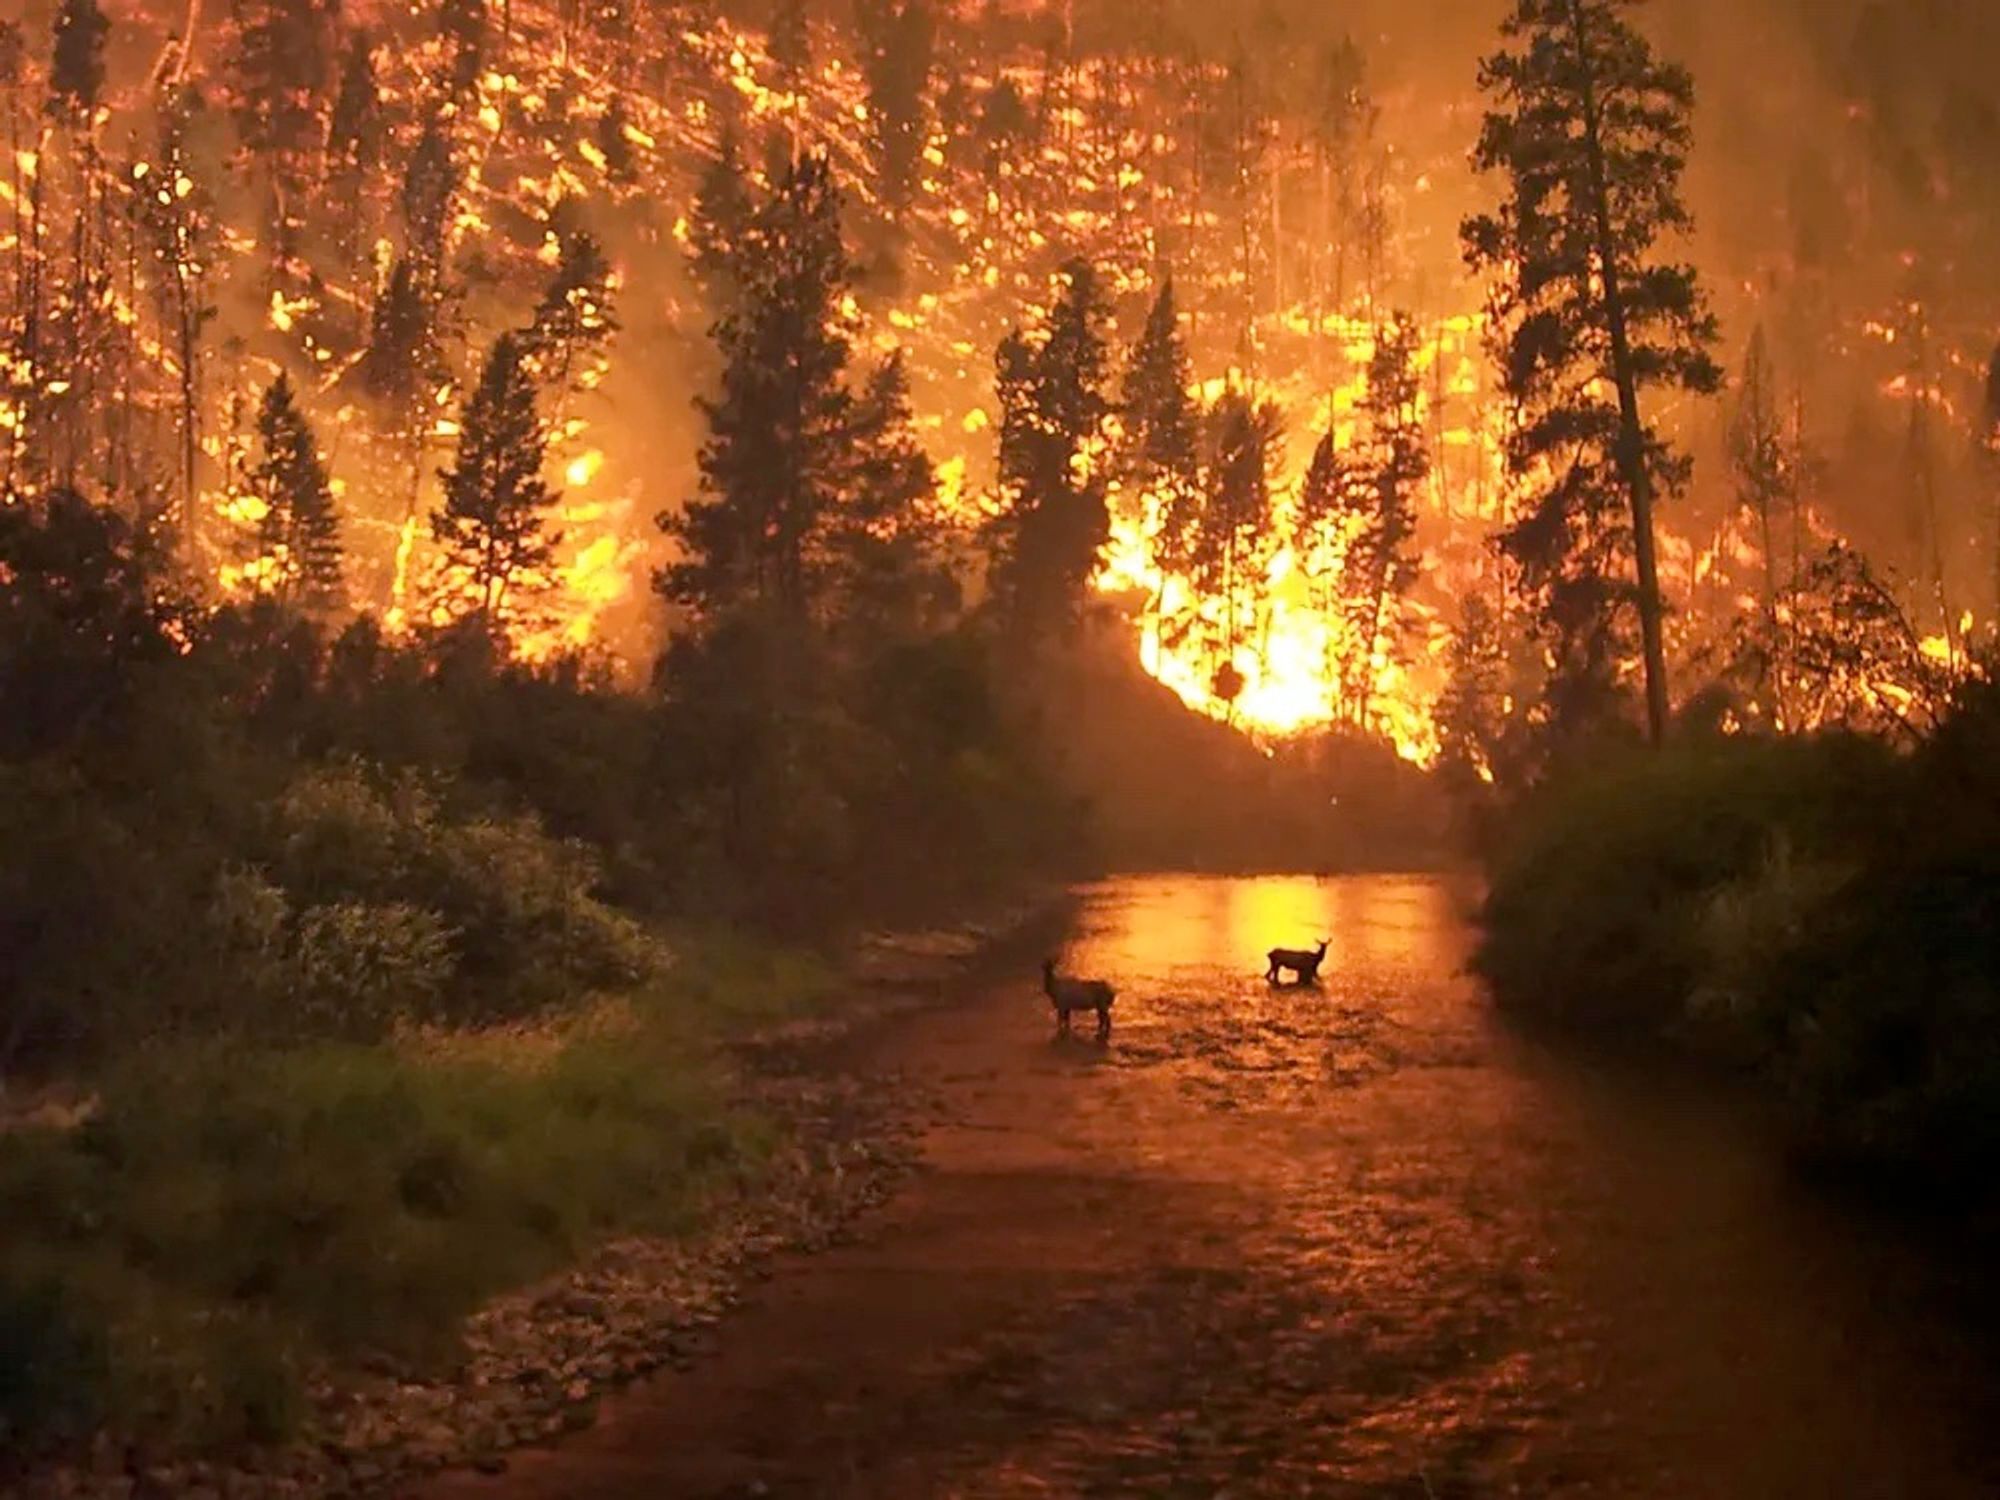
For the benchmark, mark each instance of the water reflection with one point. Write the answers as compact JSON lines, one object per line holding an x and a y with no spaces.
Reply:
{"x":1393,"y":1250}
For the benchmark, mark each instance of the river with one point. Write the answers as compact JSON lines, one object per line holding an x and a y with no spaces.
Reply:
{"x":1355,"y":1240}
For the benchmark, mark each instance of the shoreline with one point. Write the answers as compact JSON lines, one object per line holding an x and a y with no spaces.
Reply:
{"x":535,"y":1361}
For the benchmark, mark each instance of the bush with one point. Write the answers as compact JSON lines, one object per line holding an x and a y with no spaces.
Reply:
{"x":1823,"y":910}
{"x":1594,"y":912}
{"x":517,"y":911}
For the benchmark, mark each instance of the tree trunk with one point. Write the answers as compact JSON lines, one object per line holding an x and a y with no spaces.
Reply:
{"x":1631,"y":430}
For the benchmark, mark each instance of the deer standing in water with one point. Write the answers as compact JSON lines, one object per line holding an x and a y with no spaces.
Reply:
{"x":1067,"y":996}
{"x":1303,"y":962}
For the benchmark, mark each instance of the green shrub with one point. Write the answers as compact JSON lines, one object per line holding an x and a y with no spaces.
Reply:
{"x":1595,"y":904}
{"x":234,"y":1214}
{"x":361,"y":967}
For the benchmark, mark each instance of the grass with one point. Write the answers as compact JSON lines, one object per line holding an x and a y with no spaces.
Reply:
{"x":234,"y":1215}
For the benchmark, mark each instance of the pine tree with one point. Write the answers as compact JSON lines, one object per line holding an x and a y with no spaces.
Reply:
{"x":281,"y":68}
{"x":354,"y":134}
{"x":1160,"y":459}
{"x":898,"y":43}
{"x":299,"y":526}
{"x":178,"y":216}
{"x":1764,"y":470}
{"x":492,"y":524}
{"x":76,"y":68}
{"x":576,"y":313}
{"x":429,"y":183}
{"x":462,"y":25}
{"x":1161,"y":440}
{"x":1384,"y":477}
{"x":791,"y":38}
{"x":885,"y":540}
{"x":719,"y":229}
{"x":774,"y":469}
{"x":615,"y":142}
{"x":1053,"y":407}
{"x":402,"y":356}
{"x":1319,"y":540}
{"x":1591,"y":131}
{"x":1229,"y":544}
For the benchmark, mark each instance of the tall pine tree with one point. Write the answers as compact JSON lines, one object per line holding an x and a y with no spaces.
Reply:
{"x":1161,"y":426}
{"x":1230,"y":545}
{"x":76,"y":65}
{"x":773,"y":471}
{"x":1590,"y":131}
{"x":719,"y":229}
{"x":493,"y":522}
{"x":898,"y":44}
{"x":1053,"y":469}
{"x":299,"y":528}
{"x":1385,"y":475}
{"x":886,"y":541}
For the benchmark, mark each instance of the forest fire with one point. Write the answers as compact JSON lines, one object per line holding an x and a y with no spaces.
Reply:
{"x":561,"y":560}
{"x":480,"y":172}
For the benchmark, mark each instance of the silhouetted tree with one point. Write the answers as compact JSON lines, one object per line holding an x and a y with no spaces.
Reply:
{"x":885,"y":543}
{"x":780,"y":433}
{"x":1383,"y":478}
{"x":576,"y":312}
{"x":620,"y":164}
{"x":462,"y":24}
{"x":354,"y":133}
{"x":76,"y":67}
{"x":718,"y":230}
{"x":1591,"y":131}
{"x":429,"y":181}
{"x":1160,"y":459}
{"x":1229,"y":542}
{"x":898,"y":38}
{"x":791,"y":38}
{"x":1053,"y":468}
{"x":1766,"y":484}
{"x":493,"y":523}
{"x":299,"y":526}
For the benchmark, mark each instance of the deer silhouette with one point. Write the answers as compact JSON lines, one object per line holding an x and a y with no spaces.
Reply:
{"x":1302,"y":962}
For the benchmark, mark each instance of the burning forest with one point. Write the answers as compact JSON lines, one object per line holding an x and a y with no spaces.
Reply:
{"x":262,"y":263}
{"x":582,"y":580}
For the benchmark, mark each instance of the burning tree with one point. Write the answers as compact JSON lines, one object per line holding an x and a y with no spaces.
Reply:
{"x":898,"y":40}
{"x":1591,"y":131}
{"x":1766,"y":470}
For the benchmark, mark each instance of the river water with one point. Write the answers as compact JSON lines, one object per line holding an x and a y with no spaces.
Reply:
{"x":1354,"y":1240}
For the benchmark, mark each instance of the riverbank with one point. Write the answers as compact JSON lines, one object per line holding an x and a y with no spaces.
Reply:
{"x":764,"y":1150}
{"x":1816,"y":914}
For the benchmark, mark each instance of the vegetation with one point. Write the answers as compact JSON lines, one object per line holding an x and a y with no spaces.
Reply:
{"x":1592,"y":131}
{"x":1798,"y":907}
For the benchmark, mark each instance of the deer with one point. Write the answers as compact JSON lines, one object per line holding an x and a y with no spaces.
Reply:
{"x":1067,"y":996}
{"x":1302,"y":962}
